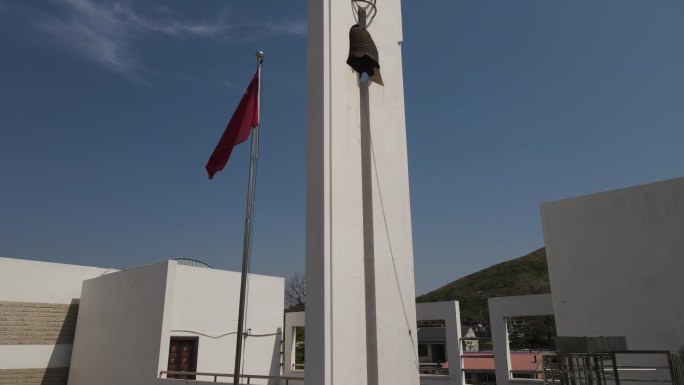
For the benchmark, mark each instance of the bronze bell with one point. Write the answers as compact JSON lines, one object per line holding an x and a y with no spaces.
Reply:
{"x":363,"y":54}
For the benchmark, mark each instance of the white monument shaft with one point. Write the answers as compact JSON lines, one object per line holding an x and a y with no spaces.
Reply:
{"x":360,"y":316}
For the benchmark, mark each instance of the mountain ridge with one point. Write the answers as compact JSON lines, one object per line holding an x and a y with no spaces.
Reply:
{"x":523,"y":275}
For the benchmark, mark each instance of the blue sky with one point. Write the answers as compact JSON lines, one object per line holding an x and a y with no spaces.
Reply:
{"x":110,"y":109}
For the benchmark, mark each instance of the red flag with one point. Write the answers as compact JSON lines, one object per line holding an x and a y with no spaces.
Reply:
{"x":245,"y":117}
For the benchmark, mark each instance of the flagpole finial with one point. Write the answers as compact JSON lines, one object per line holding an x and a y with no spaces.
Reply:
{"x":260,"y":55}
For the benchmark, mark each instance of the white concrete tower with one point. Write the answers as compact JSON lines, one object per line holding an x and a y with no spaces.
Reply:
{"x":360,"y":315}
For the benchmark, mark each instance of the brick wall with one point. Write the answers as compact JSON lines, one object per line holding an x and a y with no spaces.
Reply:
{"x":50,"y":376}
{"x":29,"y":323}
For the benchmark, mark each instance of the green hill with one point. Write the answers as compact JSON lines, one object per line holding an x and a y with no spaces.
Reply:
{"x":524,"y":275}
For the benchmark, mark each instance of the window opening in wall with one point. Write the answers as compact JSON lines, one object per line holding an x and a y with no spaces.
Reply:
{"x":183,"y":357}
{"x":298,"y":348}
{"x":431,"y":323}
{"x":432,"y":351}
{"x":482,"y":377}
{"x":528,"y":338}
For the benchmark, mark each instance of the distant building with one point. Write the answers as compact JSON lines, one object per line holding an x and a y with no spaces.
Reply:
{"x":469,"y":345}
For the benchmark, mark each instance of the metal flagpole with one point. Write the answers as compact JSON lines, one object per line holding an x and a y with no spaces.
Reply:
{"x":247,"y":244}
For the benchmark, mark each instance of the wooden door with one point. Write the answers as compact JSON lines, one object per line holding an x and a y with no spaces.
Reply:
{"x":183,"y":356}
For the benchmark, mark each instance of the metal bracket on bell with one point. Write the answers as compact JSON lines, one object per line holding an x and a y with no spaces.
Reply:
{"x":367,"y":6}
{"x":362,"y":18}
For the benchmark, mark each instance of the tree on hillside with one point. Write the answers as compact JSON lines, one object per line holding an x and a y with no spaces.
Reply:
{"x":295,"y":293}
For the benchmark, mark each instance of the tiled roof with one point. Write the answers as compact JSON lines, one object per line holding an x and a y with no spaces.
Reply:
{"x":520,"y":361}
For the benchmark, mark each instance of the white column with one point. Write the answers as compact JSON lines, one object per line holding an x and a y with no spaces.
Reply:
{"x":361,"y":323}
{"x":390,"y":264}
{"x":335,"y":311}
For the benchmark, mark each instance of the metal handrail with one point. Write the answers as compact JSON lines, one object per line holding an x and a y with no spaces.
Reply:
{"x":563,"y":370}
{"x":287,"y":379}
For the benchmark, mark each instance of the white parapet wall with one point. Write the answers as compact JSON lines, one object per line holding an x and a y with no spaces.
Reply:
{"x":615,"y":264}
{"x":501,"y":308}
{"x":205,"y":305}
{"x":450,"y":313}
{"x":38,"y":309}
{"x":121,"y":325}
{"x":128,"y":320}
{"x":23,"y":280}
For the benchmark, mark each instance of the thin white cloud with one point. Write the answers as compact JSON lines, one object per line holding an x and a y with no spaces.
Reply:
{"x":106,"y":31}
{"x":95,"y":32}
{"x":170,"y":26}
{"x":295,"y":28}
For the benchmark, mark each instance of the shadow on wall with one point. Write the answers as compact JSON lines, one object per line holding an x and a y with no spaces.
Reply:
{"x":56,"y":373}
{"x":68,"y":329}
